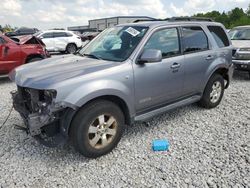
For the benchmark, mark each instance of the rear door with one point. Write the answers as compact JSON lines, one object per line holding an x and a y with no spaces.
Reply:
{"x":61,"y":40}
{"x":198,"y":56}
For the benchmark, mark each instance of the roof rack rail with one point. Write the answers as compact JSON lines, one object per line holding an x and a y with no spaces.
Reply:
{"x":189,"y":19}
{"x":174,"y":19}
{"x":146,"y":20}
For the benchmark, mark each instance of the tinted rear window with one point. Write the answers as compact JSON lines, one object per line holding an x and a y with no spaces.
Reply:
{"x":194,"y":39}
{"x":219,"y":36}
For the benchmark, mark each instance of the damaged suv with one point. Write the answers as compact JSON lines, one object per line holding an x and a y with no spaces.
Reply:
{"x":128,"y":73}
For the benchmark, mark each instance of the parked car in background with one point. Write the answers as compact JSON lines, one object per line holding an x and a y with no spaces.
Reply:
{"x":240,"y":37}
{"x":22,"y":31}
{"x":18,"y":51}
{"x":128,"y":73}
{"x":60,"y":41}
{"x":88,"y":36}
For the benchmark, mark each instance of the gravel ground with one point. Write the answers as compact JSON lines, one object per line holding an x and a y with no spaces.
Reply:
{"x":209,"y":148}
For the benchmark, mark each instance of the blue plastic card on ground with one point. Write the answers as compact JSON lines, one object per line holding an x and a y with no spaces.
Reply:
{"x":160,"y":145}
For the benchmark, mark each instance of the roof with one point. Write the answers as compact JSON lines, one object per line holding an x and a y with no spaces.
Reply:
{"x":58,"y":31}
{"x":162,"y":23}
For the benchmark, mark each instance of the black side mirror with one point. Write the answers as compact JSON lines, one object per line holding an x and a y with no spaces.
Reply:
{"x":150,"y":56}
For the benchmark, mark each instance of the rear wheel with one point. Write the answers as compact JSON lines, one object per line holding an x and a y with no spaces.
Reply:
{"x":71,"y":48}
{"x":97,"y":128}
{"x":213,"y":92}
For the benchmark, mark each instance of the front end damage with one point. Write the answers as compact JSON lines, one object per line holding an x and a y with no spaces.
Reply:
{"x":41,"y":115}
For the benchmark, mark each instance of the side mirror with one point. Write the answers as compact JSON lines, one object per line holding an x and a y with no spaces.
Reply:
{"x":150,"y":56}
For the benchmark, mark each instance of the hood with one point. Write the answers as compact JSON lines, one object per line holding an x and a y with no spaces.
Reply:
{"x":28,"y":39}
{"x":241,"y":43}
{"x":42,"y":74}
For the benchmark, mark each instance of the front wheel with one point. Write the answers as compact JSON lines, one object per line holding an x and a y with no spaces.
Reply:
{"x":97,"y":128}
{"x":213,"y":92}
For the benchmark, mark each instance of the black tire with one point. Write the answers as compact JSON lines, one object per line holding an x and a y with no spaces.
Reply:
{"x":34,"y":59}
{"x":71,"y":48}
{"x":207,"y":101}
{"x":86,"y":117}
{"x":249,"y":74}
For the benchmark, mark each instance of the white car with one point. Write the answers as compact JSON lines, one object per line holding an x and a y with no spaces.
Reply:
{"x":60,"y":41}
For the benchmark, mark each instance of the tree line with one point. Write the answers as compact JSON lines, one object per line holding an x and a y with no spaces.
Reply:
{"x":230,"y":19}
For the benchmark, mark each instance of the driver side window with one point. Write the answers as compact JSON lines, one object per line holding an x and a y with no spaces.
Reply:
{"x":166,"y":40}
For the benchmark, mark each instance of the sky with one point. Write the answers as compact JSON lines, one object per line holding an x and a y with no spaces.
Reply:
{"x":46,"y":14}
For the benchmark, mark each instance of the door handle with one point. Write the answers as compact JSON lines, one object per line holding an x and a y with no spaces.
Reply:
{"x":209,"y":57}
{"x":175,"y":65}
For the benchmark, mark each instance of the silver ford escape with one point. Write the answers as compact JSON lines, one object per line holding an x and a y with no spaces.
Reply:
{"x":128,"y":73}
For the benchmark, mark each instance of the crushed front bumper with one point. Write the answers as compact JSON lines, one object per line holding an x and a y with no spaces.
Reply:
{"x":34,"y":117}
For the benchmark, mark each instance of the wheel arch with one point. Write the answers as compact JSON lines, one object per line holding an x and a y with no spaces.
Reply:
{"x":31,"y":56}
{"x":71,"y":113}
{"x":223,"y":71}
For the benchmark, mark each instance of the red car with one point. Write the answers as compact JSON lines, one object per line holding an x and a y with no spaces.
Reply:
{"x":18,"y":51}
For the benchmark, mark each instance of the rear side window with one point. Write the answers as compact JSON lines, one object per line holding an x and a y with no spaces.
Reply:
{"x":60,"y":34}
{"x":194,"y":39}
{"x":69,"y":35}
{"x":219,"y":36}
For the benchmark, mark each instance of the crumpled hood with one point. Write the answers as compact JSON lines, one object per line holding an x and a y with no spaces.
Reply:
{"x":42,"y":74}
{"x":241,"y":43}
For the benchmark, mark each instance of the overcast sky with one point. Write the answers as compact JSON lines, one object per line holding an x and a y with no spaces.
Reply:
{"x":45,"y":14}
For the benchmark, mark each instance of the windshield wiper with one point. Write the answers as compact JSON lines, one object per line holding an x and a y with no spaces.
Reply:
{"x":92,"y":56}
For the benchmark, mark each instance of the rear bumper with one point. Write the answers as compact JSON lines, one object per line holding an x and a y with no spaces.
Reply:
{"x":241,"y":64}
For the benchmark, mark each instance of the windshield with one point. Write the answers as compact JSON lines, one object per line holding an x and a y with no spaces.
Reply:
{"x":240,"y":34}
{"x":115,"y":44}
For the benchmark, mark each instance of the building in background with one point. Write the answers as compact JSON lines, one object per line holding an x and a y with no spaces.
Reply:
{"x":103,"y":23}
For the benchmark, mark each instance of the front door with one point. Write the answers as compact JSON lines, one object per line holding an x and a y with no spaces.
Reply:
{"x":160,"y":83}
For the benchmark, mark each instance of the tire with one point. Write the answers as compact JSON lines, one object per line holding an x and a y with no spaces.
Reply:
{"x":71,"y":48}
{"x":89,"y":135}
{"x":34,"y":59}
{"x":212,"y":97}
